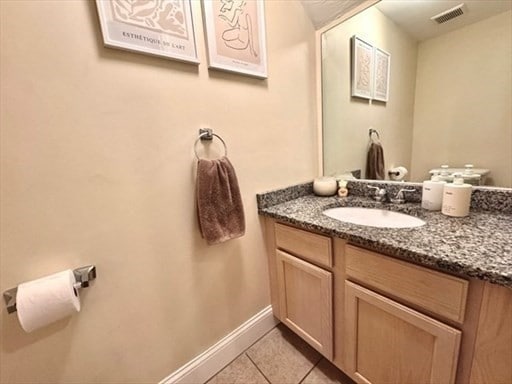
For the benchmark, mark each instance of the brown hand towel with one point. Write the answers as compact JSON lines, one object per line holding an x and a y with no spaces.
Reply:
{"x":375,"y":162}
{"x":219,"y":204}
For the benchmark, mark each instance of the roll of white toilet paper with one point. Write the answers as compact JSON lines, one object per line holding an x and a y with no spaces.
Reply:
{"x":45,"y":300}
{"x":398,"y":173}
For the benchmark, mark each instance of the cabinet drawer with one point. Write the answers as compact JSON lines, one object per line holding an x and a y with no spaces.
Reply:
{"x":311,"y":246}
{"x":433,"y":291}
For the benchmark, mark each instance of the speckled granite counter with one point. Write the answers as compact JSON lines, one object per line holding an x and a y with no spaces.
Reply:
{"x":479,"y":245}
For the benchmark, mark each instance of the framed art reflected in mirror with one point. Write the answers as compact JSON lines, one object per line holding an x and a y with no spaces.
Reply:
{"x":362,"y":68}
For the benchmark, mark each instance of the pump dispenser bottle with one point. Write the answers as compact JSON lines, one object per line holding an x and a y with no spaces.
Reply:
{"x":432,"y":193}
{"x":456,"y":197}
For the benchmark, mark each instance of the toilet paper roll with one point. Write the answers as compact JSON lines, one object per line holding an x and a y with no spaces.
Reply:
{"x":46,"y":300}
{"x":398,"y":173}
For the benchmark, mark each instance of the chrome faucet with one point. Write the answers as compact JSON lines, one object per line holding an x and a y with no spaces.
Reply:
{"x":380,"y":193}
{"x":400,"y":197}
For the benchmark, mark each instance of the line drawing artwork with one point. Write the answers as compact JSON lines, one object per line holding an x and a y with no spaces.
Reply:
{"x":163,"y":16}
{"x":364,"y":59}
{"x":381,"y":74}
{"x":362,"y":68}
{"x":162,"y":28}
{"x":381,"y":82}
{"x":237,"y":35}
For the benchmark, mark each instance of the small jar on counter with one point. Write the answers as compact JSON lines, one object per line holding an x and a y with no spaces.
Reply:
{"x":325,"y":186}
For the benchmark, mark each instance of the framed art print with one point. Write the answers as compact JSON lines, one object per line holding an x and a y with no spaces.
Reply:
{"x":382,"y":68}
{"x":362,"y":68}
{"x":155,"y":27}
{"x":235,"y":35}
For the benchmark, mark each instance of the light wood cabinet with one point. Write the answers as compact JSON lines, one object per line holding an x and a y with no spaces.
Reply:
{"x":384,"y":320}
{"x":310,"y":246}
{"x":387,"y":342}
{"x":305,"y":300}
{"x":428,"y":290}
{"x":492,"y":359}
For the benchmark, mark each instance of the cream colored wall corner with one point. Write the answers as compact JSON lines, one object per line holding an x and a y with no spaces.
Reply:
{"x":454,"y":115}
{"x":97,"y":167}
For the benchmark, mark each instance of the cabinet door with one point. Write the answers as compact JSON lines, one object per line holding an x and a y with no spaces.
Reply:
{"x":387,"y":342}
{"x":492,"y":359}
{"x":305,"y":301}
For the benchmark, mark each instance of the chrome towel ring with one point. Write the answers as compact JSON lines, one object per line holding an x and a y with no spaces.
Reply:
{"x":371,"y":131}
{"x":206,"y":134}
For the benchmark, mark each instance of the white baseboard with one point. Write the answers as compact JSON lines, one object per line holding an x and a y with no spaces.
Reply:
{"x":207,"y":364}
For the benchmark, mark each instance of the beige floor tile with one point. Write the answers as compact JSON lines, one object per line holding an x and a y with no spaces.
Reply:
{"x":239,"y":371}
{"x":283,"y":357}
{"x":326,"y":373}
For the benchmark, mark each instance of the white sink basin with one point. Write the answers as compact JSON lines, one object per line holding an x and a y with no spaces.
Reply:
{"x":373,"y":217}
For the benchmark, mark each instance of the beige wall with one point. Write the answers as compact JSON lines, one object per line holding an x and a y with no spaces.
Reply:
{"x":97,"y":167}
{"x":346,"y":119}
{"x":459,"y":116}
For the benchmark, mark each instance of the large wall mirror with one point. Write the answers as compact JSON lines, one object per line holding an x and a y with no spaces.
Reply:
{"x":450,"y":90}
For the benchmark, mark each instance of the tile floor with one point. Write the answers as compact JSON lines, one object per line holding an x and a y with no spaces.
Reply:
{"x":280,"y":357}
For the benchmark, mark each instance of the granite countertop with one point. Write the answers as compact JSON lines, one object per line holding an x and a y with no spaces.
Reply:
{"x":479,"y":245}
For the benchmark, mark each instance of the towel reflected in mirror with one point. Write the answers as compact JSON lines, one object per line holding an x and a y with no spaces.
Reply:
{"x":375,"y":161}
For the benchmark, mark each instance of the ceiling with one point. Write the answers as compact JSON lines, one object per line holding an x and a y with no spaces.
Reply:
{"x":412,"y":15}
{"x":322,"y":12}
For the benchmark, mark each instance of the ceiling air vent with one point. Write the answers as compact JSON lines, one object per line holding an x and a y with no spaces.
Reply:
{"x":448,"y":15}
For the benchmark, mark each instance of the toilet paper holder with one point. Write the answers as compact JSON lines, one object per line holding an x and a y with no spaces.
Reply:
{"x":83,"y":276}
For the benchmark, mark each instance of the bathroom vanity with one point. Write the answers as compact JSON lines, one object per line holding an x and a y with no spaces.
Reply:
{"x":423,"y":305}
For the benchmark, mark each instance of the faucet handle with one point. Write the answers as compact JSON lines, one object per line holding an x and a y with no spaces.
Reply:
{"x":400,"y":197}
{"x":375,"y":188}
{"x":380,"y":193}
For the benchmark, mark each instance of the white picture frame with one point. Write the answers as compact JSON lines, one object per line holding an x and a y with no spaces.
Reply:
{"x":361,"y":68}
{"x":155,"y":27}
{"x":382,"y":70}
{"x":235,"y":36}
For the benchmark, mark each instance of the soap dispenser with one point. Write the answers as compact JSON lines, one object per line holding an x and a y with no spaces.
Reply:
{"x":445,"y":173}
{"x":456,"y":197}
{"x":432,"y":193}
